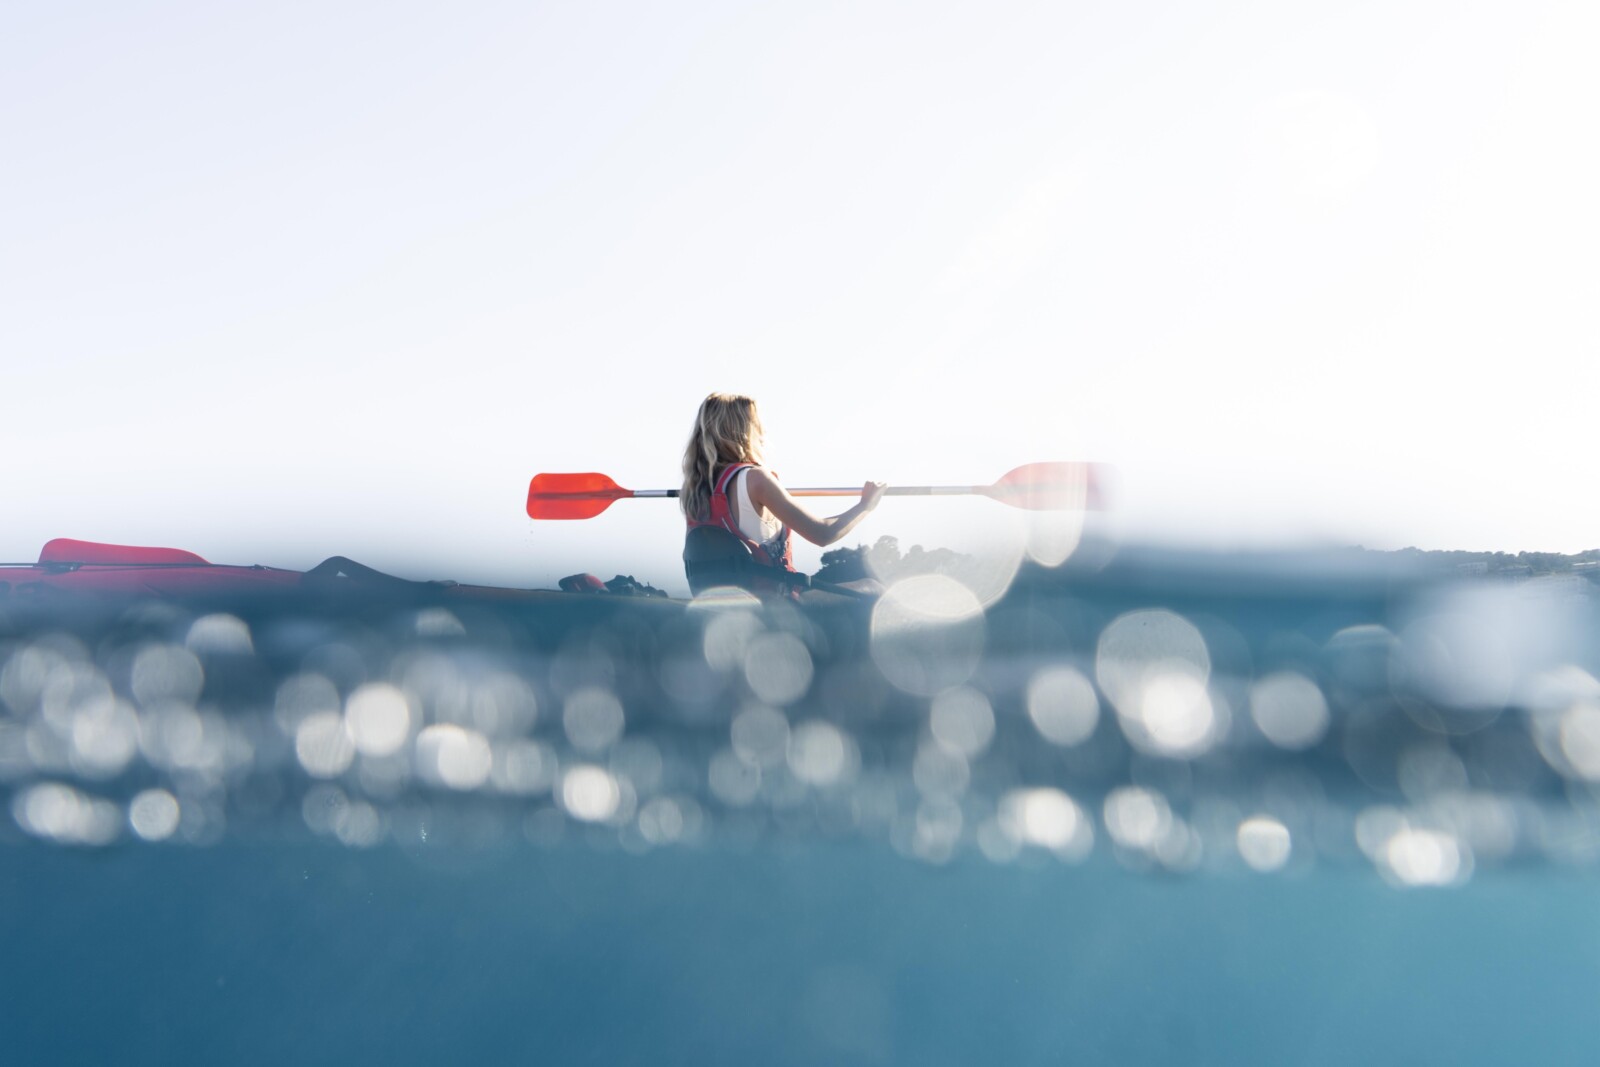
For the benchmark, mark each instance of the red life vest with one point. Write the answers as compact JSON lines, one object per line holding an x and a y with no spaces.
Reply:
{"x":778,"y":552}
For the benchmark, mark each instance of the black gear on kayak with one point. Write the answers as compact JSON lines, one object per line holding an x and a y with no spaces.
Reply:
{"x":582,"y":583}
{"x":626,"y":585}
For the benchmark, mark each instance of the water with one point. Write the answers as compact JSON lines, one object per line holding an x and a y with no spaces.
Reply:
{"x":1145,"y":809}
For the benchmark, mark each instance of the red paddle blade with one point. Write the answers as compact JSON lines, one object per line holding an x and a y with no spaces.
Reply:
{"x":572,"y":496}
{"x":1048,"y":487}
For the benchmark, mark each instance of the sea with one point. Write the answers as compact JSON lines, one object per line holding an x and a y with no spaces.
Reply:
{"x":1148,"y":806}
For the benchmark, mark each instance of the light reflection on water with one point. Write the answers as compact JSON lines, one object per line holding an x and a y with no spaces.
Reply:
{"x":1431,"y":733}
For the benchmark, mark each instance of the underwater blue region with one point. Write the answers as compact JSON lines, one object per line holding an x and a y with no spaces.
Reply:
{"x":804,"y":954}
{"x":1135,"y":809}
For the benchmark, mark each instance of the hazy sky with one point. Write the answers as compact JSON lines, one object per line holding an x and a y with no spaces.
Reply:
{"x":300,"y":279}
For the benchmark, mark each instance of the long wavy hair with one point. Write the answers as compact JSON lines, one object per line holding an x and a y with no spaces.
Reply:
{"x":726,"y":431}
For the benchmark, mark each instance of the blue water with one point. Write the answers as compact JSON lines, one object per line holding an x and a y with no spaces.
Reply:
{"x":840,"y":954}
{"x":1145,"y":811}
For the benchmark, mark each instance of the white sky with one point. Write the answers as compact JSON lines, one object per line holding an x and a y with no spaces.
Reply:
{"x":319,"y":278}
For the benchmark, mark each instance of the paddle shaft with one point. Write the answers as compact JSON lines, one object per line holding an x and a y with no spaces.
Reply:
{"x":1034,"y":486}
{"x":893,"y":490}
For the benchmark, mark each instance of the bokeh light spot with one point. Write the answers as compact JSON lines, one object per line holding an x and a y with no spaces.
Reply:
{"x":453,"y":756}
{"x":378,"y":719}
{"x":220,"y":634}
{"x":166,"y":673}
{"x":590,"y":793}
{"x":778,"y":668}
{"x":820,"y":754}
{"x":593,"y":719}
{"x":927,"y":634}
{"x":1263,"y":842}
{"x":760,"y":736}
{"x":1063,"y":705}
{"x":153,"y":814}
{"x":323,"y":746}
{"x":1289,"y":709}
{"x":962,"y":720}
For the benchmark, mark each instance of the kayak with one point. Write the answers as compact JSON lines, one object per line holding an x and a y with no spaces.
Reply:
{"x":68,"y":569}
{"x":69,"y":566}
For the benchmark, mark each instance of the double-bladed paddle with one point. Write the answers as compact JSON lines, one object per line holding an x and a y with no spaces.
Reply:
{"x":1034,"y":486}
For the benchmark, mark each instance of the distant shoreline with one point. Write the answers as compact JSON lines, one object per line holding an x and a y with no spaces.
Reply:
{"x":1499,"y":564}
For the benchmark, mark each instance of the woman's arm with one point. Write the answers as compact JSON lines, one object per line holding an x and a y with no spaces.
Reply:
{"x":766,"y":492}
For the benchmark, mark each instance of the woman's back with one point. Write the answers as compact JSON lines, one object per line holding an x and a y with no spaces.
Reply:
{"x":754,"y":522}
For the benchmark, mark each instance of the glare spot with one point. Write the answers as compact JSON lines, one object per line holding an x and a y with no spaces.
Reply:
{"x":1289,"y":709}
{"x":660,"y":821}
{"x":998,"y":842}
{"x":453,"y":756}
{"x":1424,"y":858}
{"x":322,"y":806}
{"x":322,"y":745}
{"x":219,"y":635}
{"x":62,"y":814}
{"x":727,"y":639}
{"x":778,"y":668}
{"x":725,"y":598}
{"x":25,"y":676}
{"x":71,"y":690}
{"x":523,"y":767}
{"x":1560,"y":688}
{"x":1063,"y":706}
{"x":1579,"y":735}
{"x":439,"y":622}
{"x":1375,"y":826}
{"x":434,"y":684}
{"x":590,"y":793}
{"x":820,"y":754}
{"x":962,"y":720}
{"x":732,"y":780}
{"x":1054,"y":535}
{"x":593,"y":718}
{"x":153,"y":814}
{"x":666,"y":820}
{"x":1264,"y":843}
{"x":300,"y":696}
{"x":1046,"y":818}
{"x":502,"y":704}
{"x":1141,"y":647}
{"x":105,"y":738}
{"x":927,"y":634}
{"x":1180,"y":848}
{"x":166,"y":673}
{"x":1359,"y":657}
{"x":358,"y":825}
{"x":761,"y":736}
{"x":1137,"y":818}
{"x":384,"y":776}
{"x":1173,"y":716}
{"x":378,"y":719}
{"x":173,"y":737}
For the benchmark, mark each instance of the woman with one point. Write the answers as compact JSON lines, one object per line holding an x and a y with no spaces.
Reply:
{"x":725,"y":486}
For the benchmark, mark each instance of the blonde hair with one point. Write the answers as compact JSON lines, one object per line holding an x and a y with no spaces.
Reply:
{"x":726,"y":431}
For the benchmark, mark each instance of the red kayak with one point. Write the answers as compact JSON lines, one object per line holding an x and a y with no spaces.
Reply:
{"x":88,"y":569}
{"x":127,"y":570}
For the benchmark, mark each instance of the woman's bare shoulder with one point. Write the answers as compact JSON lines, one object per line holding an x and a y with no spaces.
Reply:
{"x":763,"y":485}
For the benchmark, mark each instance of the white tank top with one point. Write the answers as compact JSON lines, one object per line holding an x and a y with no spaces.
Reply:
{"x":757,"y":524}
